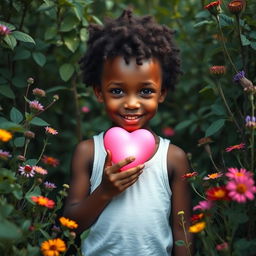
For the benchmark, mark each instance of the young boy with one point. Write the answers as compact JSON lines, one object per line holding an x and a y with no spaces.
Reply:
{"x":131,"y":62}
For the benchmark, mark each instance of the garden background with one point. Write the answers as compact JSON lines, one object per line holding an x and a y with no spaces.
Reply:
{"x":46,"y":39}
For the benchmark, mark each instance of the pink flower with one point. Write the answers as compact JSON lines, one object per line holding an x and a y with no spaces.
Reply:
{"x":234,"y":173}
{"x":27,"y":171}
{"x":35,"y":105}
{"x":168,"y":131}
{"x":51,"y":131}
{"x":239,"y":146}
{"x":85,"y":109}
{"x":4,"y":30}
{"x":4,"y":155}
{"x":203,"y":205}
{"x":241,"y":188}
{"x":221,"y":247}
{"x":39,"y":170}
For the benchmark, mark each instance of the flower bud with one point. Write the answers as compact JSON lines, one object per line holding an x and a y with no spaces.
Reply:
{"x":21,"y":158}
{"x":65,"y":186}
{"x":72,"y":235}
{"x":4,"y":30}
{"x":236,"y":6}
{"x":30,"y":80}
{"x":217,"y":70}
{"x":39,"y":92}
{"x":29,"y":134}
{"x":56,"y":97}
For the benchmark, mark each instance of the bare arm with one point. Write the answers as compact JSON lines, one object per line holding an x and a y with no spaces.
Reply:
{"x":84,"y":207}
{"x":181,"y":197}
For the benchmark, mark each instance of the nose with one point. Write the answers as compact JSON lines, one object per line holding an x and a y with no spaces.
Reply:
{"x":132,"y":102}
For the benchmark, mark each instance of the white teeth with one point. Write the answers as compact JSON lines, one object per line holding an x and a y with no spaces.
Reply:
{"x":131,"y":117}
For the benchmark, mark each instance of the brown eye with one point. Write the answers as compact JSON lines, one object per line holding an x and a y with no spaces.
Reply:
{"x":146,"y":91}
{"x":116,"y":91}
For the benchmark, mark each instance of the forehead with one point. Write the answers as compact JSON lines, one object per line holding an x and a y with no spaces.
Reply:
{"x":117,"y":69}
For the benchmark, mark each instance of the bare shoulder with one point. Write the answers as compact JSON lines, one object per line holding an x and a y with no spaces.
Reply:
{"x":176,"y":160}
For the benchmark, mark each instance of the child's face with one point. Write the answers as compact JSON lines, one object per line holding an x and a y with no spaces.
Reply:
{"x":130,"y":92}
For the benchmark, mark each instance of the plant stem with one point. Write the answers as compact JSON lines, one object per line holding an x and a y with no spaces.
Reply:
{"x":252,"y":132}
{"x":195,"y":190}
{"x":227,"y":106}
{"x":45,"y":143}
{"x":224,"y":45}
{"x":187,"y":244}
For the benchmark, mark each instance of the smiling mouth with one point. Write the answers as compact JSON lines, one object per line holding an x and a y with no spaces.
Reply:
{"x":131,"y":117}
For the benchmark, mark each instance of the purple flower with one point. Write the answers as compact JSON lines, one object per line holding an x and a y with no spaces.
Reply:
{"x":4,"y":155}
{"x":49,"y":185}
{"x":237,"y":77}
{"x":35,"y":105}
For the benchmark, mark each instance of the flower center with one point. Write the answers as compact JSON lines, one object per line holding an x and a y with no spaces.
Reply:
{"x":27,"y":168}
{"x":53,"y":247}
{"x":220,"y":193}
{"x":241,"y":188}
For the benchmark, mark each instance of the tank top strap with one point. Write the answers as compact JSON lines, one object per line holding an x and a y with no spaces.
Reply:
{"x":99,"y":160}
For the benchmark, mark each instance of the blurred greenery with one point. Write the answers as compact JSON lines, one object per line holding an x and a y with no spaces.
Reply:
{"x":49,"y":37}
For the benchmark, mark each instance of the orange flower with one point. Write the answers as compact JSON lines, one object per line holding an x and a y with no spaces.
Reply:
{"x":198,"y":227}
{"x":51,"y":131}
{"x":189,"y":175}
{"x":213,"y":176}
{"x":196,"y":217}
{"x":50,"y":161}
{"x":43,"y":201}
{"x":239,"y":146}
{"x":217,"y":193}
{"x":53,"y":247}
{"x":5,"y":135}
{"x":68,"y":223}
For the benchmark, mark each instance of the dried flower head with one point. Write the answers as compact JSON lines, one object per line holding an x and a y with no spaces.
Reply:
{"x":39,"y":92}
{"x":213,"y":7}
{"x":204,"y":141}
{"x":4,"y":30}
{"x":29,"y":134}
{"x":30,"y":80}
{"x":36,"y":106}
{"x":217,"y":70}
{"x":5,"y":135}
{"x":236,"y":6}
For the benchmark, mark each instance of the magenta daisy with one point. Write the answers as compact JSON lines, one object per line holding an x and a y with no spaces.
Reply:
{"x":27,"y":171}
{"x":40,"y":170}
{"x":213,"y":176}
{"x":234,"y":173}
{"x":241,"y":189}
{"x":4,"y":155}
{"x":49,"y":185}
{"x":35,"y":105}
{"x":203,"y":205}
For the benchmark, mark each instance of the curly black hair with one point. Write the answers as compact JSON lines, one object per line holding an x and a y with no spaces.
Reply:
{"x":130,"y":36}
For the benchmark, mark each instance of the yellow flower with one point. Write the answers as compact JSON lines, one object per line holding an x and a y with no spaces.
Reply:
{"x":5,"y":135}
{"x":198,"y":227}
{"x":53,"y":247}
{"x":68,"y":223}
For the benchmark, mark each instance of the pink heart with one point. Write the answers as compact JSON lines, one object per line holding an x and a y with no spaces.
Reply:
{"x":122,"y":144}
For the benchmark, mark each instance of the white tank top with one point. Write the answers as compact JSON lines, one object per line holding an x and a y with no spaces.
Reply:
{"x":136,"y":222}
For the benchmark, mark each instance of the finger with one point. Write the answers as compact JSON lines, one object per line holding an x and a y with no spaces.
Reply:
{"x":130,"y":179}
{"x":130,"y":183}
{"x":108,"y":160}
{"x":123,"y":162}
{"x":129,"y":172}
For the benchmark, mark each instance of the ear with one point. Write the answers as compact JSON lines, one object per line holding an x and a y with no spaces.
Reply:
{"x":163,"y":95}
{"x":98,"y":93}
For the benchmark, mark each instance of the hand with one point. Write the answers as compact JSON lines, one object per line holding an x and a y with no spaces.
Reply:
{"x":113,"y":181}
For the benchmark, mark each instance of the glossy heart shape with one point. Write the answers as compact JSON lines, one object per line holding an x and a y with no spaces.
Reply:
{"x":122,"y":144}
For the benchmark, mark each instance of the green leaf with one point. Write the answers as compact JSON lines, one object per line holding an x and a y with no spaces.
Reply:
{"x":45,"y":234}
{"x":19,"y":142}
{"x":22,"y":54}
{"x":253,"y":45}
{"x":50,"y":33}
{"x":31,"y":162}
{"x":20,"y":36}
{"x":245,"y":41}
{"x":66,"y":71}
{"x":85,"y":234}
{"x":84,"y":34}
{"x":97,"y":20}
{"x":15,"y":115}
{"x":183,"y":124}
{"x":225,"y":20}
{"x":11,"y":126}
{"x":71,"y":42}
{"x":252,"y":35}
{"x":38,"y":122}
{"x":8,"y":25}
{"x":6,"y":91}
{"x":56,"y":88}
{"x":214,"y":127}
{"x":9,"y":231}
{"x":69,"y":23}
{"x":11,"y":41}
{"x":201,"y":23}
{"x":180,"y":243}
{"x":39,"y":58}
